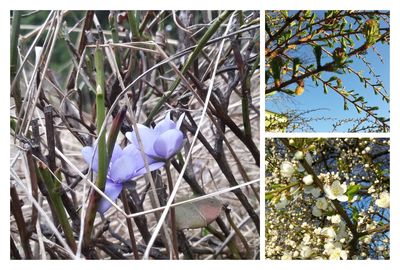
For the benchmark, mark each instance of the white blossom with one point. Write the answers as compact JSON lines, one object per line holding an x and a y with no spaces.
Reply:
{"x":316,"y":211}
{"x":367,"y":239}
{"x":306,"y":239}
{"x":299,"y":155}
{"x":336,"y":219}
{"x":287,"y":169}
{"x":286,"y":256}
{"x":305,"y":252}
{"x":308,"y":179}
{"x":335,"y":251}
{"x":336,"y":191}
{"x":329,"y":232}
{"x":321,"y":203}
{"x":384,"y":200}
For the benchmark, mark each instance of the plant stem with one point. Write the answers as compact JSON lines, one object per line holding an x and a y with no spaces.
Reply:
{"x":115,"y":39}
{"x":101,"y":148}
{"x":15,"y":29}
{"x":19,"y":219}
{"x":52,"y":186}
{"x":231,"y":244}
{"x":133,"y":23}
{"x":34,"y":185}
{"x":172,"y":211}
{"x":214,"y":27}
{"x":51,"y":157}
{"x":129,"y":224}
{"x":246,"y":85}
{"x":114,"y":130}
{"x":238,"y":232}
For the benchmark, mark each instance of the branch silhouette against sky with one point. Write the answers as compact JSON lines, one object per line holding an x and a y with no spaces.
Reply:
{"x":331,"y":66}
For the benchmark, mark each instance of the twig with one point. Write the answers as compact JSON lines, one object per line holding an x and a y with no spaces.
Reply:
{"x":202,"y":42}
{"x":42,"y":213}
{"x":172,"y":213}
{"x":19,"y":218}
{"x":129,"y":224}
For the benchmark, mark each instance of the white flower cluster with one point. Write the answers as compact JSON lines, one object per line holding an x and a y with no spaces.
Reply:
{"x":301,"y":219}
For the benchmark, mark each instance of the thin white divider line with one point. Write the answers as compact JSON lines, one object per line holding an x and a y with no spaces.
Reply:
{"x":179,"y":180}
{"x":42,"y":213}
{"x":262,"y":134}
{"x":326,"y":135}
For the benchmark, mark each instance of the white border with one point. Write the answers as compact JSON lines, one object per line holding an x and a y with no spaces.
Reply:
{"x":213,"y":4}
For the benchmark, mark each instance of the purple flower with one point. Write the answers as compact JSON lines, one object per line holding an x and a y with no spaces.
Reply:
{"x":123,"y":166}
{"x":159,"y":143}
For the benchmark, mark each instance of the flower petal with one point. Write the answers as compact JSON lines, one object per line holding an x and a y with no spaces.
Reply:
{"x":112,"y":190}
{"x":164,"y":125}
{"x":87,"y":153}
{"x":344,"y":186}
{"x":117,"y":152}
{"x":168,"y":143}
{"x":147,"y":137}
{"x":328,"y":192}
{"x":152,"y":167}
{"x":122,"y":169}
{"x":136,"y":155}
{"x":342,"y":198}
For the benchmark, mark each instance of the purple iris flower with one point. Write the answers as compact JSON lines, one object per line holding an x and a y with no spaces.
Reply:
{"x":159,"y":143}
{"x":123,"y":166}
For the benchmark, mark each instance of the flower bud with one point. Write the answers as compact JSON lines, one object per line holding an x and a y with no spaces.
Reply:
{"x":308,"y":179}
{"x":299,"y":155}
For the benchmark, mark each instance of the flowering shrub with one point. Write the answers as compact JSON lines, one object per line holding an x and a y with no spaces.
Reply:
{"x":334,"y":204}
{"x":315,"y":57}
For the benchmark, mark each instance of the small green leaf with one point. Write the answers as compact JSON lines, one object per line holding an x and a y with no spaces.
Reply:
{"x":325,"y":89}
{"x":345,"y":106}
{"x":355,"y":214}
{"x":333,"y":78}
{"x":352,"y":190}
{"x":269,"y":197}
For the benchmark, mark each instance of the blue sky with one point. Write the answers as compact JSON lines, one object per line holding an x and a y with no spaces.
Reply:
{"x":332,"y":104}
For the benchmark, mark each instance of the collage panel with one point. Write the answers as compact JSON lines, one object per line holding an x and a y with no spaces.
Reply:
{"x":327,"y":71}
{"x":327,"y":198}
{"x":135,"y":135}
